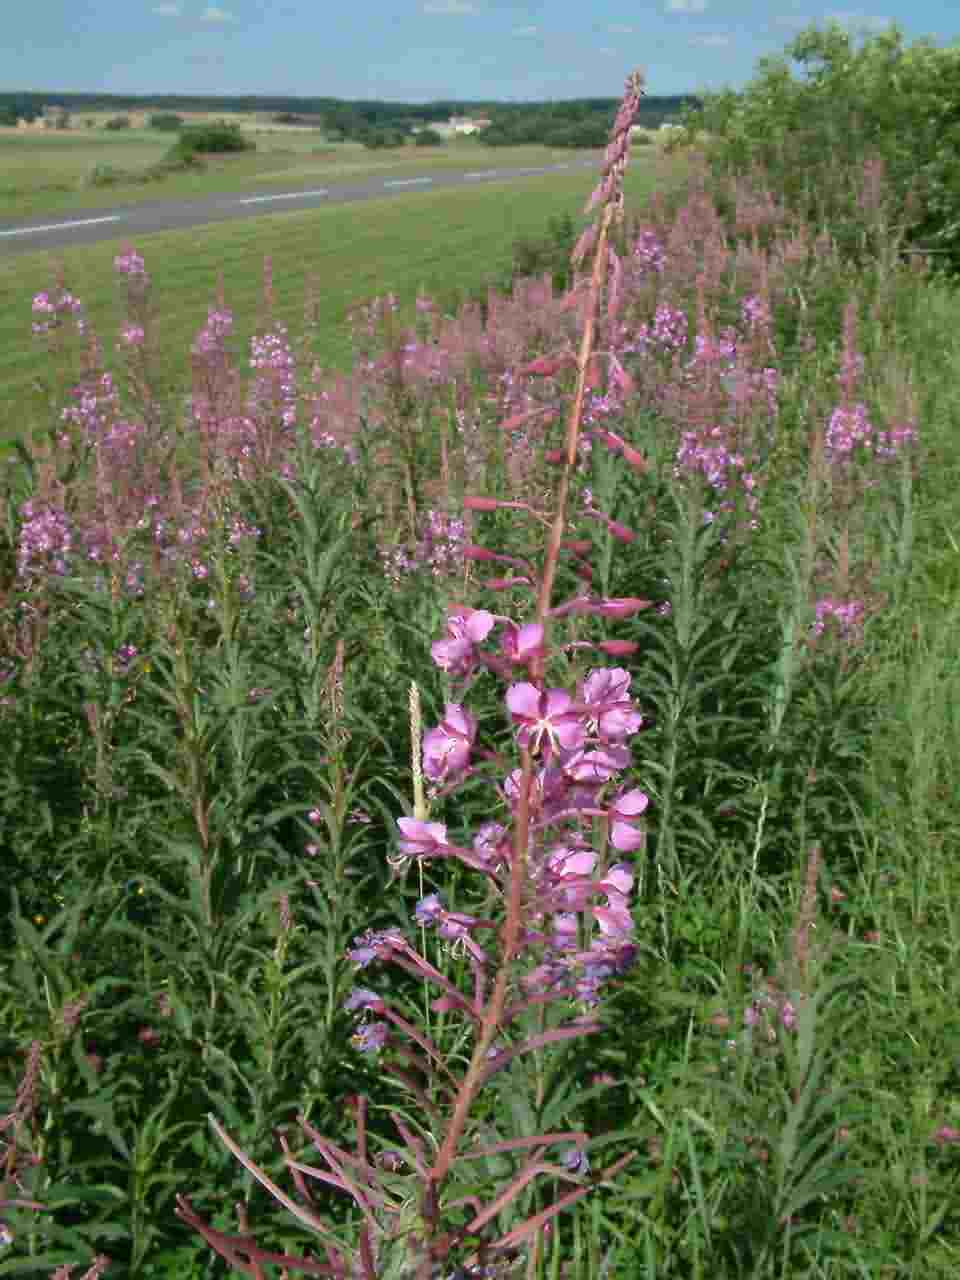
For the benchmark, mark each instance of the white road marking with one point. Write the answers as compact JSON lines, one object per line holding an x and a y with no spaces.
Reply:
{"x":405,"y":182}
{"x":287,"y":195}
{"x":59,"y":226}
{"x":486,"y":173}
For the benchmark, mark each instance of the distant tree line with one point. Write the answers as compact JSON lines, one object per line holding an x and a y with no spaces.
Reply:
{"x":582,"y":122}
{"x":14,"y":107}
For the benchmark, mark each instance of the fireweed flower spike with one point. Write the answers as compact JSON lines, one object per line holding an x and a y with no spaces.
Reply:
{"x":563,"y":933}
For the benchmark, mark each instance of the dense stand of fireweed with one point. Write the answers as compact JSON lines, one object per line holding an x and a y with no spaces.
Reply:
{"x":724,"y":399}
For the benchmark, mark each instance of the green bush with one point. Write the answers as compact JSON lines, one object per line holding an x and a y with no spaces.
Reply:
{"x":166,"y":121}
{"x":209,"y":139}
{"x":118,"y":122}
{"x":105,"y":175}
{"x":550,"y":253}
{"x":428,"y":138}
{"x":178,"y":158}
{"x":380,"y":139}
{"x":899,"y":103}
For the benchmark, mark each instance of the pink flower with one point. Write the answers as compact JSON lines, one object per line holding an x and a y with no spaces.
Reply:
{"x":466,"y":629}
{"x":371,"y":1037}
{"x":545,"y":714}
{"x":565,"y":929}
{"x":573,"y":865}
{"x":452,"y":925}
{"x":572,"y":862}
{"x":614,"y":919}
{"x":373,"y":945}
{"x":624,"y":811}
{"x":456,"y":927}
{"x":363,"y":998}
{"x":618,"y":880}
{"x":446,"y":749}
{"x":422,"y":838}
{"x":492,"y":843}
{"x":520,"y":644}
{"x":596,"y":766}
{"x":613,"y":715}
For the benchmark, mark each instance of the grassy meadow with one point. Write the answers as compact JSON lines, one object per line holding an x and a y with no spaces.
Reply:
{"x":499,"y":818}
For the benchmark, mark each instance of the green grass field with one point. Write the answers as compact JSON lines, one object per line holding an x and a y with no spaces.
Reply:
{"x":447,"y":242}
{"x":49,"y":173}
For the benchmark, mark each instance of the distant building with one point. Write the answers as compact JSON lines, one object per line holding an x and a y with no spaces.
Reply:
{"x":463,"y":124}
{"x":55,"y":118}
{"x":455,"y":125}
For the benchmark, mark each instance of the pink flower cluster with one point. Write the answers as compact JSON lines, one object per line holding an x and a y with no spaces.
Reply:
{"x":719,"y":466}
{"x":756,"y":313}
{"x":132,"y":335}
{"x":130,"y":263}
{"x":578,"y":745}
{"x":97,"y":404}
{"x":438,"y":551}
{"x":54,"y":308}
{"x":848,"y":429}
{"x":276,"y":383}
{"x":669,"y":331}
{"x":648,"y":251}
{"x":769,"y":1006}
{"x":846,"y":616}
{"x":851,"y":429}
{"x":219,"y":326}
{"x":46,"y":539}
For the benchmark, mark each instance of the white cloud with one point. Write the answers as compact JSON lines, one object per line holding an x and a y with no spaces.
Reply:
{"x":712,"y":42}
{"x":619,"y":30}
{"x":168,"y":11}
{"x":686,"y":6}
{"x":213,"y":14}
{"x":853,"y":18}
{"x":608,"y":53}
{"x":450,"y":8}
{"x":525,"y":31}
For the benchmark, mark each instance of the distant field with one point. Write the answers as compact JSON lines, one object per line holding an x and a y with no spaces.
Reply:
{"x":450,"y":242}
{"x":49,"y":172}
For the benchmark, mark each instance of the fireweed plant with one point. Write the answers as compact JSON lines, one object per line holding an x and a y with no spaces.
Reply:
{"x":537,"y":974}
{"x":210,"y":620}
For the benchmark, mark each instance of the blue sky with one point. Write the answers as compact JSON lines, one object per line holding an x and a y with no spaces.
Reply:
{"x":419,"y":50}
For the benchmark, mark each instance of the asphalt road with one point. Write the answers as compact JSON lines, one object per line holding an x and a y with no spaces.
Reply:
{"x":173,"y":215}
